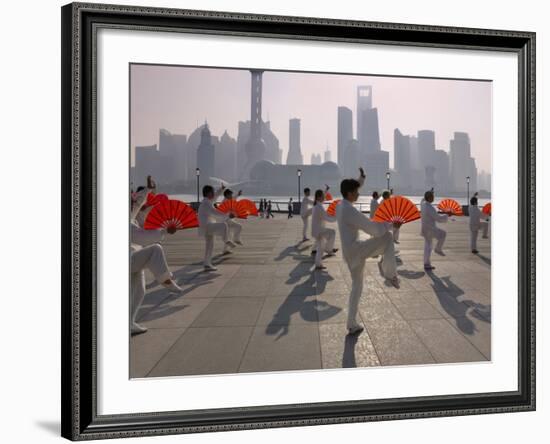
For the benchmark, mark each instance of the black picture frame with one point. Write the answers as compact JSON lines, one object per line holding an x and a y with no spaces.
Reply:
{"x":79,"y":205}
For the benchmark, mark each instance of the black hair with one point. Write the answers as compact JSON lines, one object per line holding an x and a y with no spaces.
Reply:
{"x":473,"y":201}
{"x":318,"y":194}
{"x":428,"y":194}
{"x":207,"y":189}
{"x":375,"y":195}
{"x":227,"y":193}
{"x":386,"y":194}
{"x":348,"y":186}
{"x":306,"y":190}
{"x":140,"y":188}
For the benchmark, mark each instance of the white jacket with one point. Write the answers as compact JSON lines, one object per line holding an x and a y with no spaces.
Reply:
{"x":139,"y":237}
{"x":209,"y":214}
{"x":318,"y":218}
{"x":374,"y":204}
{"x":429,"y":217}
{"x":305,"y":208}
{"x":475,"y":217}
{"x":350,"y":221}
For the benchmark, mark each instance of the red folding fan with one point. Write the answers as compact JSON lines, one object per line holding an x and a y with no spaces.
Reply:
{"x":450,"y":206}
{"x":397,"y":209}
{"x":171,"y":214}
{"x":250,"y":207}
{"x":487,"y":209}
{"x":331,"y":210}
{"x":236,"y":207}
{"x":328,"y":196}
{"x":154,"y":199}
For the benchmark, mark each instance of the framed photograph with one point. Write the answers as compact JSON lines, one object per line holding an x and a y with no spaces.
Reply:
{"x":278,"y":221}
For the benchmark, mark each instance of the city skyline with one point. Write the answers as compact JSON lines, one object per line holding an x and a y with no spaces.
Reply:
{"x":161,"y":96}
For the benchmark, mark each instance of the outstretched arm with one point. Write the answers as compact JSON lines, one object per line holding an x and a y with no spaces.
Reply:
{"x":362,"y":176}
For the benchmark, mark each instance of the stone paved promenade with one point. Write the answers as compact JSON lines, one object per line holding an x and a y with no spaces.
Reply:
{"x":265,"y":309}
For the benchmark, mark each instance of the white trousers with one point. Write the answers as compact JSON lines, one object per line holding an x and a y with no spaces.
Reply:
{"x":484,"y":226}
{"x":214,"y":229}
{"x":372,"y":247}
{"x":305,"y":220}
{"x":235,"y":229}
{"x":438,"y":234}
{"x":151,"y":257}
{"x":325,"y":244}
{"x":396,"y":234}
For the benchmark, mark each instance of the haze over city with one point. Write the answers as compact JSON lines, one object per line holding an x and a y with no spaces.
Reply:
{"x":181,"y":98}
{"x":262,"y":127}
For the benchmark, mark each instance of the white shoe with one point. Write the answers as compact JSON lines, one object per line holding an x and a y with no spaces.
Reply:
{"x":230,"y":244}
{"x":173,"y":286}
{"x":137,"y":329}
{"x":209,"y":268}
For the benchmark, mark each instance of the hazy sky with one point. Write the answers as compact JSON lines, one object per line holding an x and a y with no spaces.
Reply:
{"x":180,"y":98}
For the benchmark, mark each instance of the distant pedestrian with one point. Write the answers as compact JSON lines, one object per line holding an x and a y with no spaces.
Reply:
{"x":290,"y":208}
{"x":269,"y":212}
{"x":261,"y":210}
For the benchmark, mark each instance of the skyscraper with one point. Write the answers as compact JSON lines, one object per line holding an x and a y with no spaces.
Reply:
{"x":426,"y":147}
{"x":316,"y":159}
{"x":364,"y":103}
{"x":345,"y":133}
{"x":462,"y":165}
{"x":255,"y":147}
{"x":402,"y":158}
{"x":206,"y":154}
{"x":327,"y":155}
{"x":226,"y":158}
{"x":351,"y":159}
{"x":294,"y":150}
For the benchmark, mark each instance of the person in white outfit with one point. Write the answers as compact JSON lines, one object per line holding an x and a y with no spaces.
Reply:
{"x":212,"y":222}
{"x":305,"y":212}
{"x":386,"y":195}
{"x":476,"y":224}
{"x":323,"y":236}
{"x":356,"y":251}
{"x":374,"y":204}
{"x":235,"y":227}
{"x":429,"y":230}
{"x":145,"y":252}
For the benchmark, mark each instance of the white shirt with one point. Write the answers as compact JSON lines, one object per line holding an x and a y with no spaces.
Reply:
{"x":318,"y":218}
{"x":209,"y":214}
{"x":140,"y":237}
{"x":305,"y":210}
{"x":374,"y":204}
{"x":350,"y":221}
{"x":475,"y":217}
{"x":429,"y":217}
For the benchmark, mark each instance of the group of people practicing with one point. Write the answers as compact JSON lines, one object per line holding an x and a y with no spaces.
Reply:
{"x":146,"y":251}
